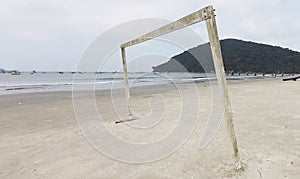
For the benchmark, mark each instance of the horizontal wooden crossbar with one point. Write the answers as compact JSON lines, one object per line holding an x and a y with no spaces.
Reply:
{"x":198,"y":16}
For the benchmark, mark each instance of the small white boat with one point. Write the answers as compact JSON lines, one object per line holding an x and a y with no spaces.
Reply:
{"x":14,"y":72}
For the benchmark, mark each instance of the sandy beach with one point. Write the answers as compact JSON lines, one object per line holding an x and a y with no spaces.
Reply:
{"x":40,"y":137}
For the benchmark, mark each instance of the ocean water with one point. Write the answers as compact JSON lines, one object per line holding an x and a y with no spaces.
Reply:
{"x":53,"y":81}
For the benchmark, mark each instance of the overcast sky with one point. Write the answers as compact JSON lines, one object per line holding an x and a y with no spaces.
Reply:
{"x":51,"y":35}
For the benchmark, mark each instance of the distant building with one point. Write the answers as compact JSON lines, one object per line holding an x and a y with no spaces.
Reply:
{"x":2,"y":70}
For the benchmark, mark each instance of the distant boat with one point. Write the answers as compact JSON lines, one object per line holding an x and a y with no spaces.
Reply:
{"x":293,"y":78}
{"x":14,"y":72}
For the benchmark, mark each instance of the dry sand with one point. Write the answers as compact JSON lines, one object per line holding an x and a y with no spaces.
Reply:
{"x":40,"y":137}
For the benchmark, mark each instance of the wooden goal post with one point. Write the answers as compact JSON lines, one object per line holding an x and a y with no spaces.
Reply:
{"x":206,"y":14}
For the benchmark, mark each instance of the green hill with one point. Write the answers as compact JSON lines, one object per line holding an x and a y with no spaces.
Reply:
{"x":238,"y":55}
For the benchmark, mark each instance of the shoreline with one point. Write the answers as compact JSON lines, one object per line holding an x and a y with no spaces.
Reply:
{"x":229,"y":81}
{"x":9,"y":100}
{"x":28,"y":83}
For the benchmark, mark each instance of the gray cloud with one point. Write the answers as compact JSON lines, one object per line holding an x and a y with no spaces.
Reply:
{"x":52,"y":34}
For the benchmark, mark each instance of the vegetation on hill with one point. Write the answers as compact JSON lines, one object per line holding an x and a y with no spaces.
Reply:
{"x":238,"y":55}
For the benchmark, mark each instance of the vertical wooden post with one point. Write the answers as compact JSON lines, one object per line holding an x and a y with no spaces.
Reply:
{"x":126,"y":82}
{"x":221,"y":76}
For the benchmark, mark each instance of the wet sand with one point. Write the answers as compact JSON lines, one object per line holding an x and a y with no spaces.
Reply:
{"x":40,"y":137}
